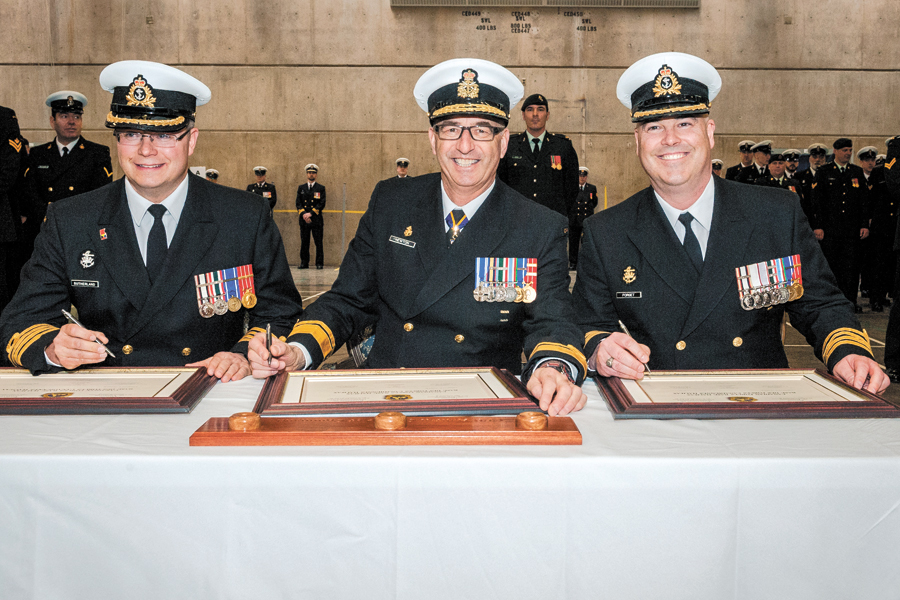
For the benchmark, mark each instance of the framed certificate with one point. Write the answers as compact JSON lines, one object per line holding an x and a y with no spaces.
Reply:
{"x":469,"y":391}
{"x":103,"y":390}
{"x":763,"y":394}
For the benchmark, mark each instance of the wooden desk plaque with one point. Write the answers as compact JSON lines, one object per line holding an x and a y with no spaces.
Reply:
{"x":421,"y":392}
{"x":103,"y":390}
{"x":741,"y":394}
{"x":387,"y":429}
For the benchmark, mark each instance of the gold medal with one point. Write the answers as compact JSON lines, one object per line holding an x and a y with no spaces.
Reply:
{"x":520,"y":294}
{"x":530,"y":294}
{"x":206,"y":310}
{"x":234,"y":304}
{"x":249,"y":300}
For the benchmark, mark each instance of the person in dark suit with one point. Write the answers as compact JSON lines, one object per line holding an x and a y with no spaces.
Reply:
{"x":744,"y":147}
{"x":69,"y":164}
{"x":791,"y":162}
{"x":777,"y":177}
{"x":310,"y":204}
{"x":667,"y":261}
{"x":759,"y":168}
{"x":585,"y":203}
{"x":892,"y":335}
{"x":717,"y":165}
{"x":459,"y":269}
{"x":263,"y":188}
{"x":842,"y":206}
{"x":817,"y":157}
{"x":13,"y":156}
{"x":402,"y":168}
{"x":162,"y":266}
{"x":878,"y":265}
{"x":540,"y":165}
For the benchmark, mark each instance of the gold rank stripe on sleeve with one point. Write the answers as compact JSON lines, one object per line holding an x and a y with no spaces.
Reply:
{"x":570,"y":351}
{"x":591,"y":334}
{"x":320,"y":332}
{"x":890,"y":164}
{"x":16,"y":144}
{"x":20,"y":342}
{"x":845,"y":335}
{"x":107,"y":171}
{"x":252,"y":332}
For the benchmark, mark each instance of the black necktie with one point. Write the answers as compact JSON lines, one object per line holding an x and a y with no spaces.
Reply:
{"x":537,"y":146}
{"x":456,"y":220}
{"x":691,"y":245}
{"x":157,"y":247}
{"x":65,"y":151}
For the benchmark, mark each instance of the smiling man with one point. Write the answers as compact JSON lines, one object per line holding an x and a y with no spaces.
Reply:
{"x":702,"y":269}
{"x":162,"y":266}
{"x":458,"y":269}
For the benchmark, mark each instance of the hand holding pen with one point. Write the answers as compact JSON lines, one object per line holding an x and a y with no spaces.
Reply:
{"x":75,"y":345}
{"x":75,"y":321}
{"x":619,"y":355}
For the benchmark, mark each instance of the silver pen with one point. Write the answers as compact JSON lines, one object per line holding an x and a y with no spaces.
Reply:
{"x":74,"y":321}
{"x":625,"y":330}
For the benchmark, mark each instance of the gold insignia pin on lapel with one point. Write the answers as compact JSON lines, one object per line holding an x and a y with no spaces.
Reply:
{"x":408,"y":231}
{"x":629,"y":275}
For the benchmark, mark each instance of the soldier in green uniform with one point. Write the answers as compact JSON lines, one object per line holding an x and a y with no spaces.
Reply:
{"x":540,"y":165}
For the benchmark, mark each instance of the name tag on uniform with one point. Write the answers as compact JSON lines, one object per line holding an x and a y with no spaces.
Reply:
{"x":43,"y":166}
{"x":628,"y":295}
{"x":84,"y":283}
{"x":402,"y":242}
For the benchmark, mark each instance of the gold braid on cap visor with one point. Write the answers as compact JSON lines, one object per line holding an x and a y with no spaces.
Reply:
{"x":664,"y":111}
{"x":470,"y":108}
{"x":114,"y":120}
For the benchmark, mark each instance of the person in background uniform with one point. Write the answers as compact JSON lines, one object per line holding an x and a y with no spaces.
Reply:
{"x":310,"y":204}
{"x":892,"y":336}
{"x":880,"y":160}
{"x":791,"y":162}
{"x":664,"y":261}
{"x":264,"y":188}
{"x":162,"y":266}
{"x":212,"y":175}
{"x":540,"y":165}
{"x":745,"y":148}
{"x":777,"y":177}
{"x":717,"y":165}
{"x":585,"y":203}
{"x":843,"y":214}
{"x":402,"y":168}
{"x":67,"y":166}
{"x":423,"y":246}
{"x":818,"y":156}
{"x":760,"y":166}
{"x":12,"y":156}
{"x":880,"y":260}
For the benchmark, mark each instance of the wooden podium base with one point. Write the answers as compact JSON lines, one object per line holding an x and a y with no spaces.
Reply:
{"x":387,"y":429}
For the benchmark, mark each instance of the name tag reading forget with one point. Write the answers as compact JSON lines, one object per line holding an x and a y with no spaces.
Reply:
{"x":628,"y":295}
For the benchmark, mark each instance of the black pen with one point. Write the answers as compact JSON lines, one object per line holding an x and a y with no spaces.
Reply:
{"x":74,"y":321}
{"x":269,"y":343}
{"x":625,"y":329}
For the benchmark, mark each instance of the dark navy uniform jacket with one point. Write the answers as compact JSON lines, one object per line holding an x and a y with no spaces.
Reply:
{"x":401,"y":270}
{"x":87,"y":256}
{"x":87,"y":167}
{"x":550,"y":179}
{"x":693,"y":321}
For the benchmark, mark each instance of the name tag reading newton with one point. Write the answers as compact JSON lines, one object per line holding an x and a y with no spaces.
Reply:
{"x":628,"y":295}
{"x":402,"y":242}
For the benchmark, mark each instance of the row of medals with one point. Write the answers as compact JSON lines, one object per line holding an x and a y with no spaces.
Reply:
{"x":221,"y":306}
{"x":486,"y":292}
{"x":771,"y":295}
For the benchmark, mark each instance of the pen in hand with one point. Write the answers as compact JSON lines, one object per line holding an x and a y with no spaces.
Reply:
{"x":269,"y":343}
{"x":625,"y":330}
{"x":74,"y":321}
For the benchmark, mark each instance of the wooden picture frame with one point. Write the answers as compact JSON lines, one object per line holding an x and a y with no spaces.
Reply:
{"x":779,"y":394}
{"x":151,"y":390}
{"x":492,"y":391}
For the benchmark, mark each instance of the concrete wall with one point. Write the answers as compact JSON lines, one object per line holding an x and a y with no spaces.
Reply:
{"x":299,"y":81}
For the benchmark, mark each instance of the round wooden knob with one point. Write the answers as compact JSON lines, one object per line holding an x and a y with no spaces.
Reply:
{"x":244,"y":421}
{"x":390,"y":421}
{"x":531,"y":420}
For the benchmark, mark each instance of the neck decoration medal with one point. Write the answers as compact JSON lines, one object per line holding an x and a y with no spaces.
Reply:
{"x":505,"y":279}
{"x":770,"y":282}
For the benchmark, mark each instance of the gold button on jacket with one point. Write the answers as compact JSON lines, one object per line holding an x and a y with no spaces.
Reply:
{"x":127,"y":349}
{"x":681,"y":345}
{"x":186,"y":352}
{"x":737,"y":342}
{"x":460,"y":338}
{"x":408,"y":327}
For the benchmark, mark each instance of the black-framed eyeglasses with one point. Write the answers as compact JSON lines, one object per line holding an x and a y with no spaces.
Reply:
{"x":479,"y":133}
{"x":159,"y":140}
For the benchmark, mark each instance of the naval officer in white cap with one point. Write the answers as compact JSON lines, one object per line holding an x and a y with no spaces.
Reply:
{"x":458,"y":269}
{"x":162,"y":265}
{"x":699,"y":268}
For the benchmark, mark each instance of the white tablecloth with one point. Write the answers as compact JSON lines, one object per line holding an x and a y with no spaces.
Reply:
{"x":104,"y":507}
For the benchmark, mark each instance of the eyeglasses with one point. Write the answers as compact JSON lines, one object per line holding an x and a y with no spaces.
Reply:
{"x":159,"y":140}
{"x":479,"y":133}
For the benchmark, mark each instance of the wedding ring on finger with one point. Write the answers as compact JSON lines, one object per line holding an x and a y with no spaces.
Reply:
{"x":609,"y":362}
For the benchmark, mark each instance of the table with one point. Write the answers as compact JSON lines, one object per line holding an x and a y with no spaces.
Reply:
{"x":100,"y":507}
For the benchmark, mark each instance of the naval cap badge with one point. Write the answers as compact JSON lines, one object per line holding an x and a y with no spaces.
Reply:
{"x":468,"y":84}
{"x":666,"y":83}
{"x":140,"y":93}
